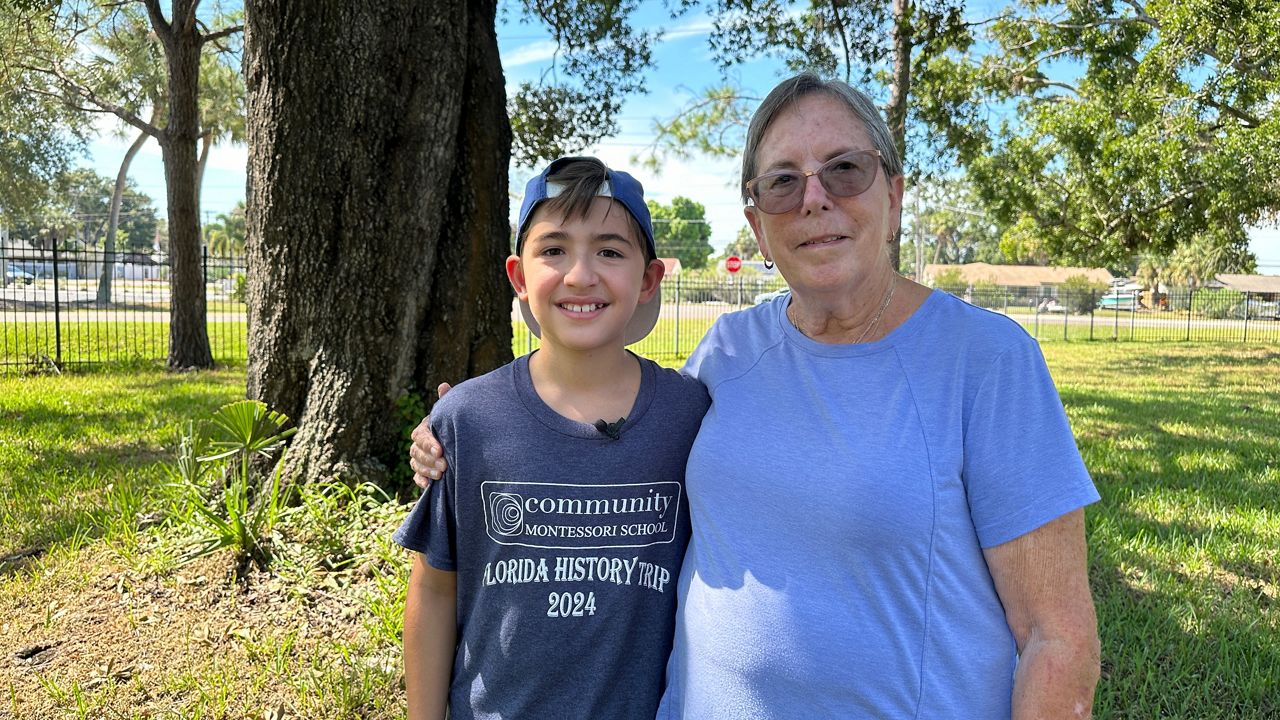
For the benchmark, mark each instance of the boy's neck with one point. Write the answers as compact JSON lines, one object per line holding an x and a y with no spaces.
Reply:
{"x":586,"y":387}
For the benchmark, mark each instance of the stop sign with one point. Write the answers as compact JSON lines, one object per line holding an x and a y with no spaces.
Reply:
{"x":733,"y":263}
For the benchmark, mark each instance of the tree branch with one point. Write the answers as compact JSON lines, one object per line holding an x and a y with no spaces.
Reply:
{"x":987,"y":21}
{"x":69,"y":84}
{"x":1100,"y":22}
{"x":844,"y":38}
{"x":184,"y":14}
{"x":162,"y":27}
{"x":1140,"y":14}
{"x":1041,"y":84}
{"x":1182,"y":194}
{"x":213,"y":37}
{"x":1250,"y":121}
{"x":1045,"y":57}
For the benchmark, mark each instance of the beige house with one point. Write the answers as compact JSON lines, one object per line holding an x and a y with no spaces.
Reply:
{"x":1035,"y":276}
{"x":1256,"y":284}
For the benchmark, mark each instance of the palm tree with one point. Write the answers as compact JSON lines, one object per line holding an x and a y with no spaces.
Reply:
{"x":132,"y":67}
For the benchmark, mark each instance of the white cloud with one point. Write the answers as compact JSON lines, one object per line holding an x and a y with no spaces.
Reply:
{"x":709,"y":181}
{"x":230,"y":157}
{"x":693,"y":27}
{"x":535,"y":52}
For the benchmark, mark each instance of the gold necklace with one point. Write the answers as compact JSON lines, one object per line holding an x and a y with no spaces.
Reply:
{"x":888,"y":298}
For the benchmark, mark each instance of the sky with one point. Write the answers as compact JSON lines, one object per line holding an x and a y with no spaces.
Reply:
{"x":682,"y":67}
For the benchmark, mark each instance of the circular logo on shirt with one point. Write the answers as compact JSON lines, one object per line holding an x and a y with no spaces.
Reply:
{"x":508,"y":517}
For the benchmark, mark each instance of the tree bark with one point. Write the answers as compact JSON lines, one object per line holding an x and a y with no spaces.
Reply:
{"x":113,"y":222}
{"x":188,"y":330}
{"x":899,"y":95}
{"x":377,"y":216}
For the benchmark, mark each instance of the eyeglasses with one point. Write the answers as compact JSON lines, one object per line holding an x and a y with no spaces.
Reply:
{"x":843,"y":176}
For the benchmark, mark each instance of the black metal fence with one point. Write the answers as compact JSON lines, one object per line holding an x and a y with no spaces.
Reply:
{"x":1178,"y":315}
{"x":55,"y":311}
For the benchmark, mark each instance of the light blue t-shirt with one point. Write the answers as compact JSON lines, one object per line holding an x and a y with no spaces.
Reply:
{"x":841,"y":496}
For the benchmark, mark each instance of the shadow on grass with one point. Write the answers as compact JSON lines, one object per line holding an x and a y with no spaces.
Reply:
{"x":82,"y":464}
{"x":1185,"y":601}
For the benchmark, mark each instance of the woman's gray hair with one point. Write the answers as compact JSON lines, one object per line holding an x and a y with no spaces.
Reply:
{"x":789,"y":91}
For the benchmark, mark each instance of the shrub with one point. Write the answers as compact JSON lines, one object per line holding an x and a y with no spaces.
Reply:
{"x":952,"y":281}
{"x":988,"y":294}
{"x":238,"y":287}
{"x":1216,"y":303}
{"x":237,"y":434}
{"x":1079,"y":294}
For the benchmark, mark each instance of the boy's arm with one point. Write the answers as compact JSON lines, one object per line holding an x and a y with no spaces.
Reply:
{"x":430,"y":638}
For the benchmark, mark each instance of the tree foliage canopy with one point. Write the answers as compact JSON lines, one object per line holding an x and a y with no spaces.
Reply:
{"x":40,"y":135}
{"x":744,"y":245}
{"x":1167,"y":137}
{"x":76,"y":212}
{"x":680,"y":230}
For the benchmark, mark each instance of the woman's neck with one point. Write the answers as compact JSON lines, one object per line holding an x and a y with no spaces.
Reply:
{"x":845,"y":318}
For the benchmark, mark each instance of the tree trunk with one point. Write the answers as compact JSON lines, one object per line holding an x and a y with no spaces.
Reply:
{"x":188,"y":330}
{"x":377,"y":216}
{"x":113,"y":222}
{"x":205,"y":141}
{"x":898,"y":97}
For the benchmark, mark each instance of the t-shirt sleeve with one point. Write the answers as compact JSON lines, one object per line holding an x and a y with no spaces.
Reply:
{"x":695,"y":366}
{"x":431,"y":527}
{"x":1021,"y":465}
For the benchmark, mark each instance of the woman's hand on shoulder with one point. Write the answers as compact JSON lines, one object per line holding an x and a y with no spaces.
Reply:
{"x":426,"y":457}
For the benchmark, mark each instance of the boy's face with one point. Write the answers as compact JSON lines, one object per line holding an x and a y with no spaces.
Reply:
{"x":583,"y":277}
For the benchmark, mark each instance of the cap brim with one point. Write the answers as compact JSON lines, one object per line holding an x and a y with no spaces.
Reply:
{"x":638,"y":328}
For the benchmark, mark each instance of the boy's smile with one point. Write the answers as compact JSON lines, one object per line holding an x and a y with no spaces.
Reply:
{"x":583,"y":277}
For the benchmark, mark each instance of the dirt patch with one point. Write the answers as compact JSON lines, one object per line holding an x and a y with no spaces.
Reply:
{"x":135,"y":643}
{"x":15,"y":561}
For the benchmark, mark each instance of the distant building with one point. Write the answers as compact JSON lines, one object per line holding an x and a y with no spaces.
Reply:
{"x":1264,"y":285}
{"x":672,"y":265}
{"x":1036,"y":276}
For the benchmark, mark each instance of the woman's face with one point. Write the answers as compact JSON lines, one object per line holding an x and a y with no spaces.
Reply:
{"x":828,"y":243}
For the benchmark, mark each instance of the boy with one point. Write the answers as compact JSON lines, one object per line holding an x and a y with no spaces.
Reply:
{"x":543,"y":584}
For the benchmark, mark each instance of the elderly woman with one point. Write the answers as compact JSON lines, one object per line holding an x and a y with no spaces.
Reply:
{"x":886,"y":498}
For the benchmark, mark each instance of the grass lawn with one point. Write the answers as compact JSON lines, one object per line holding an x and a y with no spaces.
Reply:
{"x":1183,"y":442}
{"x":98,"y":620}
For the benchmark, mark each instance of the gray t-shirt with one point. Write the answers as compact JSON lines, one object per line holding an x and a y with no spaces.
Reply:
{"x":567,"y":544}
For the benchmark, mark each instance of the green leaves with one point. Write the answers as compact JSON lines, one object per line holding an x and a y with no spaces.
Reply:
{"x":237,"y":433}
{"x":248,"y":428}
{"x":1155,"y":143}
{"x":602,"y":59}
{"x":680,"y":230}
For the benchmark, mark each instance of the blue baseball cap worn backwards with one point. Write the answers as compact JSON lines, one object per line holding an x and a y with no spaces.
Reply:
{"x":617,"y":185}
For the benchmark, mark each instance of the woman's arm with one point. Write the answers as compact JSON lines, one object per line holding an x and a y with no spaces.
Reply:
{"x":430,"y":639}
{"x":1042,"y":580}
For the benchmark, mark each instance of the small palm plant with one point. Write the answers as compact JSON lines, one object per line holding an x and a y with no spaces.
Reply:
{"x":236,"y":434}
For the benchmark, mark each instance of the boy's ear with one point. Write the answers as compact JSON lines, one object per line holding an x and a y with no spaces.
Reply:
{"x":515,"y":273}
{"x":653,"y":273}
